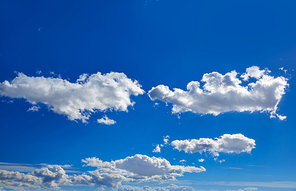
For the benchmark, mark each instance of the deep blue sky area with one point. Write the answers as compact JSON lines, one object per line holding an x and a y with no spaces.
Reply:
{"x":156,"y":42}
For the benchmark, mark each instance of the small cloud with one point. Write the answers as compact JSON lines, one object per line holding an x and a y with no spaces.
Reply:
{"x":56,"y":75}
{"x":201,"y":160}
{"x":166,"y":139}
{"x":220,"y":161}
{"x":38,"y":72}
{"x":105,"y":120}
{"x":157,"y":149}
{"x":282,"y":68}
{"x":182,"y":161}
{"x":34,"y":108}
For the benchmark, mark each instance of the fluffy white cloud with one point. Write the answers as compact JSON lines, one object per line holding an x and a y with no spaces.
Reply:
{"x":157,"y":149}
{"x":78,"y":100}
{"x":201,"y":160}
{"x":235,"y":143}
{"x":52,"y":176}
{"x":223,"y":93}
{"x":137,"y":168}
{"x":105,"y":120}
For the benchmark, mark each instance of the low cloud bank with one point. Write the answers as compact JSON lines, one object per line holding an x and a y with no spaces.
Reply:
{"x":137,"y":168}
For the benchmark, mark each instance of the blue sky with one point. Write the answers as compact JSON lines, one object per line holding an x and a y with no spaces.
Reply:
{"x":147,"y":95}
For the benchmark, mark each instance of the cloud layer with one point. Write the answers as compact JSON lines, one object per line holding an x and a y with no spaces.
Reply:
{"x":78,"y":100}
{"x":235,"y":143}
{"x":223,"y":93}
{"x":137,"y":168}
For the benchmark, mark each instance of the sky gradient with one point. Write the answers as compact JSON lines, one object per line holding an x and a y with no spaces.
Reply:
{"x":150,"y":95}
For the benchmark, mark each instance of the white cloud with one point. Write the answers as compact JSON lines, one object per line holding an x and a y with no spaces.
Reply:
{"x":220,"y":161}
{"x":52,"y":176}
{"x":34,"y":108}
{"x":166,"y":139}
{"x":201,"y":160}
{"x":137,"y":168}
{"x":157,"y":149}
{"x":78,"y":100}
{"x":105,"y":120}
{"x":183,"y":160}
{"x":235,"y":143}
{"x":12,"y":179}
{"x":223,"y":93}
{"x":254,"y":72}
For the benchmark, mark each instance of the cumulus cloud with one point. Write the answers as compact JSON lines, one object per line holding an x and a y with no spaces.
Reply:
{"x":227,"y":143}
{"x":224,"y":93}
{"x":157,"y":149}
{"x":12,"y":179}
{"x":52,"y":176}
{"x":137,"y":168}
{"x":105,"y":120}
{"x":201,"y":160}
{"x":97,"y":92}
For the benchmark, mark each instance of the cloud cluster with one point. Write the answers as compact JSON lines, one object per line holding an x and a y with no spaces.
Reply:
{"x":235,"y":143}
{"x":224,"y":93}
{"x":137,"y":168}
{"x":78,"y":100}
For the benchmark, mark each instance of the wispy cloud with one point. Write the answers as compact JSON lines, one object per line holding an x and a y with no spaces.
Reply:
{"x":271,"y":184}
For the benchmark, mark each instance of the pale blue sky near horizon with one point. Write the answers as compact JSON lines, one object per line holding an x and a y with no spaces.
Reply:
{"x":163,"y":42}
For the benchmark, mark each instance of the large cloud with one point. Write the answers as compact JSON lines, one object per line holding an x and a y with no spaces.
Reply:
{"x":137,"y":168}
{"x":235,"y":143}
{"x":78,"y":100}
{"x":224,"y":93}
